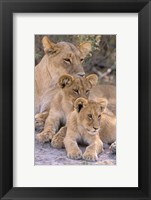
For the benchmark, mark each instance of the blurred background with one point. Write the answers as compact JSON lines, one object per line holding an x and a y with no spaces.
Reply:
{"x":101,"y":60}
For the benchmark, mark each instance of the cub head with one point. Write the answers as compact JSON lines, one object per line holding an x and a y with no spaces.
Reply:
{"x":64,"y":57}
{"x":89,"y":113}
{"x":75,"y":87}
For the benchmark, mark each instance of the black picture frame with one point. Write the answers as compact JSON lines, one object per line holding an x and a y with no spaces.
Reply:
{"x":7,"y":8}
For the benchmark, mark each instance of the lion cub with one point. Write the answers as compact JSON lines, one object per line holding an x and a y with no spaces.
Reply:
{"x":83,"y":125}
{"x":71,"y":88}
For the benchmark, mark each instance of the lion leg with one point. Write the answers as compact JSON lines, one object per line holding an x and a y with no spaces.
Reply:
{"x":57,"y":140}
{"x":72,"y":148}
{"x":51,"y":126}
{"x":112,"y":147}
{"x":92,"y":151}
{"x":40,"y":121}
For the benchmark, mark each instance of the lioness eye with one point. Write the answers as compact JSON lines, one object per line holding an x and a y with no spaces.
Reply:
{"x":67,"y":60}
{"x":89,"y":116}
{"x":81,"y":59}
{"x":76,"y":91}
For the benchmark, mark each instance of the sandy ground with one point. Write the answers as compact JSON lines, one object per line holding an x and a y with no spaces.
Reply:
{"x":47,"y":155}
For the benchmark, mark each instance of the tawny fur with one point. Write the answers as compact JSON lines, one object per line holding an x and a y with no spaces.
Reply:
{"x":54,"y":64}
{"x":106,"y":125}
{"x":60,"y":58}
{"x":71,"y":88}
{"x":105,"y":91}
{"x":84,"y":125}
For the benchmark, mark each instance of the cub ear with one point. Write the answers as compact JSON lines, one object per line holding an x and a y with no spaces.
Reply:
{"x":85,"y":48}
{"x":93,"y":79}
{"x":41,"y":116}
{"x":65,"y":80}
{"x":103,"y":103}
{"x":49,"y":46}
{"x":80,"y":103}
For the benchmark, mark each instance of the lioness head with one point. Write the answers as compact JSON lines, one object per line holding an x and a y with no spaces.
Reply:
{"x":75,"y":87}
{"x":89,"y":113}
{"x":64,"y":57}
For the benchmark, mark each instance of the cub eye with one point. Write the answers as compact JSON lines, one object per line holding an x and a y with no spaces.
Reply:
{"x":87,"y":91}
{"x":89,"y":116}
{"x":67,"y":60}
{"x":99,"y":116}
{"x":76,"y":91}
{"x":82,"y":59}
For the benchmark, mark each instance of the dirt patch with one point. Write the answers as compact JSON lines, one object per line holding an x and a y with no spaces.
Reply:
{"x":47,"y":155}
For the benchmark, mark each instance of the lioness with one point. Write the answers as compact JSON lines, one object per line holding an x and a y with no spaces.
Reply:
{"x":70,"y":89}
{"x":60,"y":58}
{"x":83,"y":125}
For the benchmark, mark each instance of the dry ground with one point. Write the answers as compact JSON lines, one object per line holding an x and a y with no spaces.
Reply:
{"x":46,"y":155}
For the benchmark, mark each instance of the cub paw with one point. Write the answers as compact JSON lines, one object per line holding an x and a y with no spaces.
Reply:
{"x":44,"y":136}
{"x":90,"y":156}
{"x":40,"y":121}
{"x":57,"y":141}
{"x":112,"y":148}
{"x":39,"y":126}
{"x":76,"y":155}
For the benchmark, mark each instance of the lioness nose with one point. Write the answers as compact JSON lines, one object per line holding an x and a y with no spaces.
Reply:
{"x":81,"y":74}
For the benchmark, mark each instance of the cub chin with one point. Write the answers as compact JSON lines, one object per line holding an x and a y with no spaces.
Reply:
{"x":71,"y":88}
{"x":84,"y":125}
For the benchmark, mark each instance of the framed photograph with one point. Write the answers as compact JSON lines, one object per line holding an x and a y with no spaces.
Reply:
{"x":75,"y":75}
{"x":75,"y":99}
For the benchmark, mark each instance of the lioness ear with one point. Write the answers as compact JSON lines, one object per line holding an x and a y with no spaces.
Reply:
{"x":65,"y":80}
{"x":80,"y":103}
{"x":49,"y":46}
{"x":85,"y":48}
{"x":103,"y":103}
{"x":93,"y":79}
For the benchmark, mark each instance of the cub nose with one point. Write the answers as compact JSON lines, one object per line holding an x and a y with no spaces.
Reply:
{"x":81,"y":74}
{"x":95,"y":128}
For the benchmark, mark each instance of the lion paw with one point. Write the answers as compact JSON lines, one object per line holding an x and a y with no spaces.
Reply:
{"x":40,"y":121}
{"x":39,"y":126}
{"x":44,"y":136}
{"x":57,"y":141}
{"x":76,"y":155}
{"x":112,"y":148}
{"x":90,"y":156}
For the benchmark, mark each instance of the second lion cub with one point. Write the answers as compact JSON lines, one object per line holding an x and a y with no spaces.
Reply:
{"x":83,"y":125}
{"x":71,"y":88}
